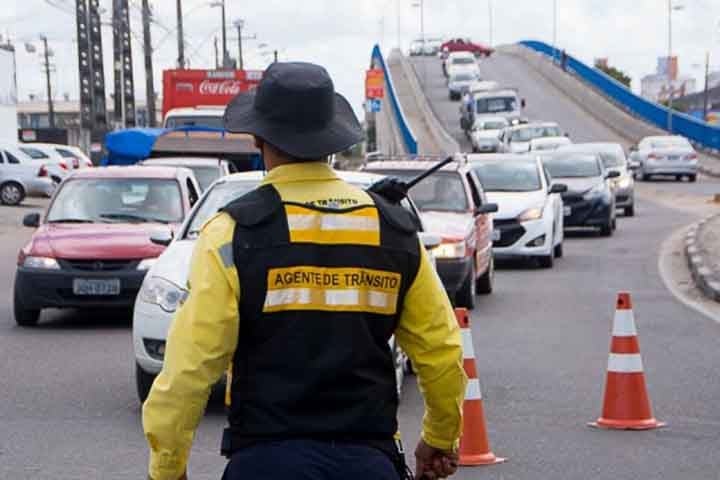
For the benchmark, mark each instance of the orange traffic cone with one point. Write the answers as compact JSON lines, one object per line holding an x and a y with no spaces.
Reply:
{"x":474,"y":444}
{"x":626,"y":405}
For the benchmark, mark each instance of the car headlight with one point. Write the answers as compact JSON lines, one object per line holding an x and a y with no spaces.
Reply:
{"x":450,"y":250}
{"x":530,"y":214}
{"x":161,"y":292}
{"x":146,"y":264}
{"x":623,"y":182}
{"x":596,"y":191}
{"x":46,"y":263}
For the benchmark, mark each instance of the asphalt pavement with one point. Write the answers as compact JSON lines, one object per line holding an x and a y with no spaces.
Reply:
{"x":69,"y":408}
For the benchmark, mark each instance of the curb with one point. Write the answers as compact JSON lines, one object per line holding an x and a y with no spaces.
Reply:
{"x":707,"y":280}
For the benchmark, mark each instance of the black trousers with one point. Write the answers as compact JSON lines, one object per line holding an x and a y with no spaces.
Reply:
{"x":309,"y":460}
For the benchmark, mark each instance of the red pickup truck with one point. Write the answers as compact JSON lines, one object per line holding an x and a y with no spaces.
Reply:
{"x":465,"y":45}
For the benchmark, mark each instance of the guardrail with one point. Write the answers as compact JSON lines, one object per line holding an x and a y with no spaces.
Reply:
{"x":409,"y":139}
{"x":696,"y":130}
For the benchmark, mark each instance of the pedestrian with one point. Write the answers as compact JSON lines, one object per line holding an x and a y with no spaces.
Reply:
{"x":294,"y":291}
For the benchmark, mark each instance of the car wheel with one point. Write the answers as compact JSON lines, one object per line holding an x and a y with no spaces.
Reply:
{"x":558,"y":251}
{"x":546,"y":261}
{"x":474,"y":149}
{"x":630,"y":211}
{"x":679,"y":178}
{"x":692,"y":178}
{"x":12,"y":193}
{"x":484,"y":284}
{"x":614,"y":224}
{"x":465,"y":296}
{"x":143,"y":382}
{"x":607,"y":230}
{"x":24,"y":317}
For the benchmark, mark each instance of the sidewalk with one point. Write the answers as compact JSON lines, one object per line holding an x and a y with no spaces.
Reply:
{"x":702,"y":247}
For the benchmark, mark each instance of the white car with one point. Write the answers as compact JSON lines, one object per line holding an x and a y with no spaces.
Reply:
{"x":665,"y":155}
{"x":206,"y":116}
{"x":28,"y":153}
{"x":417,"y":48}
{"x":485,"y":134}
{"x":545,"y":144}
{"x":462,"y":62}
{"x":20,"y":179}
{"x":165,"y":285}
{"x":73,"y":157}
{"x":530,"y":218}
{"x":516,"y":139}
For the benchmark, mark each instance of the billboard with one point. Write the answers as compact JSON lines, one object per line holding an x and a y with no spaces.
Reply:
{"x":8,"y":96}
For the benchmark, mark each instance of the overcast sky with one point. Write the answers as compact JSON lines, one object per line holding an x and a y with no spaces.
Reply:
{"x":340,"y":33}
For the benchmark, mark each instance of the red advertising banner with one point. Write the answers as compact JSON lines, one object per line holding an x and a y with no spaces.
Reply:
{"x":192,"y":88}
{"x":374,"y":83}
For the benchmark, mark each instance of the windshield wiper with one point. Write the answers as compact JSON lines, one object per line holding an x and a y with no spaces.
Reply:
{"x":132,"y":217}
{"x":71,"y":220}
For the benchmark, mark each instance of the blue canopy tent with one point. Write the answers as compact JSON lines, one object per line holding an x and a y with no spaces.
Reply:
{"x":131,"y":145}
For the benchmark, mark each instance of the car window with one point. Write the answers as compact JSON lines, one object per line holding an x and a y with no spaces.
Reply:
{"x":462,"y":77}
{"x":546,"y":131}
{"x":495,"y":104}
{"x":34,"y":153}
{"x":195,"y":120}
{"x":509,"y":176}
{"x":117,"y":200}
{"x":670,"y":142}
{"x":442,"y":191}
{"x":568,"y":166}
{"x":205,"y":175}
{"x":66,"y":153}
{"x":612,"y":159}
{"x":522,"y":134}
{"x":11,"y":158}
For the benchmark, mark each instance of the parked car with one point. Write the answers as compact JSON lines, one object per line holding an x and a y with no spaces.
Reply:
{"x":466,"y":45}
{"x":459,"y":82}
{"x":589,"y":200}
{"x":22,"y":179}
{"x":544,"y":144}
{"x":461,"y":62}
{"x":165,"y":285}
{"x":665,"y":155}
{"x":613,"y":157}
{"x":94,"y":244}
{"x":504,"y":103}
{"x":56,"y":166}
{"x":453,"y":206}
{"x":74,"y":157}
{"x":516,"y":138}
{"x":529,"y":222}
{"x":485,"y":134}
{"x":206,"y":170}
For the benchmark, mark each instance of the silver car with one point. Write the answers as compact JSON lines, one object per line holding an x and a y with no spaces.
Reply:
{"x":459,"y":83}
{"x":614,"y":160}
{"x":665,"y":155}
{"x":20,"y":179}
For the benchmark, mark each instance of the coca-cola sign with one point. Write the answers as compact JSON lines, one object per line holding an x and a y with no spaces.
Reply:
{"x":226,"y":87}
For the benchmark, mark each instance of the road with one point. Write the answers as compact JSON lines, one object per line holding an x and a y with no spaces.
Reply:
{"x":69,"y":408}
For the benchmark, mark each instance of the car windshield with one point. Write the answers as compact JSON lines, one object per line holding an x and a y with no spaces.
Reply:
{"x":547,"y":131}
{"x":34,"y":153}
{"x":509,"y":176}
{"x":219,"y":196}
{"x":117,"y":200}
{"x":572,"y":166}
{"x":612,"y":159}
{"x":524,"y":134}
{"x":463,"y":61}
{"x":670,"y":142}
{"x":195,"y":120}
{"x":205,"y":175}
{"x":443,"y":191}
{"x":462,"y":77}
{"x":492,"y":125}
{"x":495,"y":104}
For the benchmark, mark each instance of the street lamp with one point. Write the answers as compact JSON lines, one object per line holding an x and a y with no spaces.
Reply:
{"x":221,"y":4}
{"x":555,"y":49}
{"x":671,"y":7}
{"x":421,"y":5}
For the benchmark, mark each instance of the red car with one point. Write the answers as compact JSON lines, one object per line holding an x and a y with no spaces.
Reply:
{"x":465,"y":45}
{"x":102,"y":231}
{"x":453,"y":206}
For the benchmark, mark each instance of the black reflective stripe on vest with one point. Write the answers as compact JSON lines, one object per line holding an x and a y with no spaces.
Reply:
{"x":313,"y":359}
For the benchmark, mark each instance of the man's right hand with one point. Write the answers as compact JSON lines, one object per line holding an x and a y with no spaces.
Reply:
{"x":432,"y":463}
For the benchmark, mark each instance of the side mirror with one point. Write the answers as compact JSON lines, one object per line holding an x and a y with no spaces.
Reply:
{"x":486,"y":208}
{"x":31,"y":220}
{"x":612,"y":174}
{"x":558,"y":188}
{"x":430,"y":240}
{"x":633,"y":165}
{"x":523,"y":103}
{"x":163,"y":238}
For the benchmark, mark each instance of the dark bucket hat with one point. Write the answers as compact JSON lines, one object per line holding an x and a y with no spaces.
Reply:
{"x":295,"y":108}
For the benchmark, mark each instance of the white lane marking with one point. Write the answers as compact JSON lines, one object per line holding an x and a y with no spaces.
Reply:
{"x":625,"y":363}
{"x":624,"y":324}
{"x":467,"y":343}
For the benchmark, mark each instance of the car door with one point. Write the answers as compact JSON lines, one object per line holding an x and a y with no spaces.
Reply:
{"x":483,"y":224}
{"x":556,"y":201}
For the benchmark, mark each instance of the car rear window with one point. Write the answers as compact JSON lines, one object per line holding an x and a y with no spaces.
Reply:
{"x":442,"y":191}
{"x":34,"y":153}
{"x":572,"y":166}
{"x":507,"y":176}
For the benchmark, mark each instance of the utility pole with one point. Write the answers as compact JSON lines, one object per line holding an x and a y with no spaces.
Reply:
{"x":275,"y":55}
{"x":149,"y":80}
{"x":224,"y":37}
{"x":180,"y":38}
{"x":706,"y":96}
{"x":669,"y":70}
{"x":239,"y":24}
{"x":217,"y":60}
{"x":51,"y":107}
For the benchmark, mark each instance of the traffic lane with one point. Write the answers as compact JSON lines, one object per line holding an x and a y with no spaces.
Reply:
{"x":542,"y":340}
{"x":69,"y":406}
{"x":433,"y":83}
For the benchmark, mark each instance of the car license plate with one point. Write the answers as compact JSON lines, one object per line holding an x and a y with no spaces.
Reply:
{"x":496,"y":235}
{"x":93,"y":287}
{"x":673,"y":158}
{"x":567,"y":211}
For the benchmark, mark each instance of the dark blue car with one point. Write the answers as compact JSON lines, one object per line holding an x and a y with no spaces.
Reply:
{"x":589,"y":200}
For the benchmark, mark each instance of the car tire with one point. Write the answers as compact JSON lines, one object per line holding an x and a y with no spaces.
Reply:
{"x":24,"y":317}
{"x":11,"y":193}
{"x":692,"y":178}
{"x":558,"y":250}
{"x":630,"y":211}
{"x":465,"y":296}
{"x":679,"y":178}
{"x":143,"y":382}
{"x":484,"y":284}
{"x":547,"y":261}
{"x":474,"y":149}
{"x":607,"y":229}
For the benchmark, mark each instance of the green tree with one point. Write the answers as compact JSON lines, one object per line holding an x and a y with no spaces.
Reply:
{"x":618,"y":75}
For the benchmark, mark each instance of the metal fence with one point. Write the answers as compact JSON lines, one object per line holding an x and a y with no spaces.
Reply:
{"x":411,"y":144}
{"x":690,"y":127}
